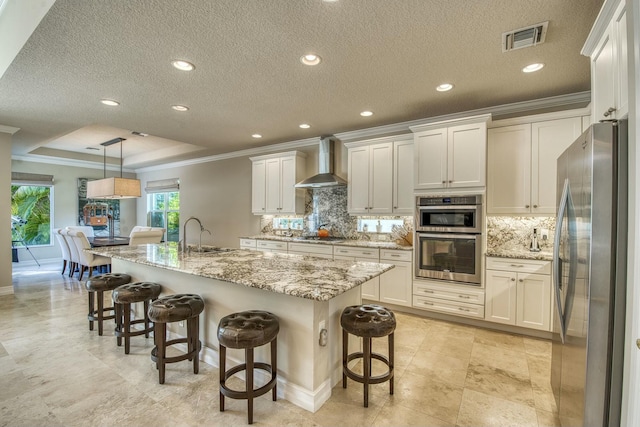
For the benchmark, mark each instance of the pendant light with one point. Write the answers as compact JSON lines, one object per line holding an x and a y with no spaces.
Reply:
{"x":113,"y":188}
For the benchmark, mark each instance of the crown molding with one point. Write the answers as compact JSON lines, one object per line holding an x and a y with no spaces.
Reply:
{"x":241,"y":153}
{"x":600,"y":26}
{"x":499,"y":110}
{"x":8,"y":129}
{"x":70,"y":162}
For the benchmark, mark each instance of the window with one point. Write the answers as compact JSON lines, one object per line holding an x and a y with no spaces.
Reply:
{"x":164,"y":211}
{"x":31,"y":215}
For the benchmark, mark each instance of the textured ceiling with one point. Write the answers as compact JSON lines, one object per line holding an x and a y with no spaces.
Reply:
{"x":380,"y":55}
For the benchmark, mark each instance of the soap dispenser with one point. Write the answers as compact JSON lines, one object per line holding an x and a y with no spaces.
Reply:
{"x":535,"y":246}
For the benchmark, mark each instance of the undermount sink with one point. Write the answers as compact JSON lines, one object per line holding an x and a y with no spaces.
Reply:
{"x":211,"y":249}
{"x":319,"y":239}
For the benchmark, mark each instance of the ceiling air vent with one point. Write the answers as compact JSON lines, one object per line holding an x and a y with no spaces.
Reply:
{"x":524,"y":37}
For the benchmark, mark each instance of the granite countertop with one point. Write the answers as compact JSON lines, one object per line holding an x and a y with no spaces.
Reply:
{"x":346,"y":242}
{"x":295,"y":275}
{"x":520,"y":253}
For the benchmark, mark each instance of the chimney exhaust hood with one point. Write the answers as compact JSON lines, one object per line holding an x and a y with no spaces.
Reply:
{"x":325,"y":176}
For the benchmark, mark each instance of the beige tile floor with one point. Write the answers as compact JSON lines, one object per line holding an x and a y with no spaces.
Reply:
{"x":55,"y":372}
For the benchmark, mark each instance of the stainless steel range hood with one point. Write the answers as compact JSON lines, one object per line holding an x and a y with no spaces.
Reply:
{"x":325,"y":176}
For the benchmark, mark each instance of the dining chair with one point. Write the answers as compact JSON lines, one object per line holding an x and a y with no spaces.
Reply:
{"x":87,"y":260}
{"x":64,"y":247}
{"x":87,"y":230}
{"x":73,"y":251}
{"x":144,"y":237}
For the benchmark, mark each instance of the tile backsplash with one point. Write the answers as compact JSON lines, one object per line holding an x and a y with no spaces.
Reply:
{"x":516,"y":232}
{"x":329,"y":206}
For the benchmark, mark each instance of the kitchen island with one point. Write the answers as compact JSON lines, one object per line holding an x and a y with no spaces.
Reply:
{"x":307,"y":294}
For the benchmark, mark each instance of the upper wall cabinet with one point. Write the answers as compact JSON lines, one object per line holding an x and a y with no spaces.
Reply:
{"x":380,"y":176}
{"x":522,"y":163}
{"x":450,"y":154}
{"x":607,"y":48}
{"x":273,"y":183}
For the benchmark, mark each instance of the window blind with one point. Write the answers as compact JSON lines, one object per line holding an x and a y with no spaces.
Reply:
{"x":162,"y":185}
{"x":23,"y":178}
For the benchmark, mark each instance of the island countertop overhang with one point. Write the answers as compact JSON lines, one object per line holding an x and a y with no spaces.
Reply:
{"x":296,"y":275}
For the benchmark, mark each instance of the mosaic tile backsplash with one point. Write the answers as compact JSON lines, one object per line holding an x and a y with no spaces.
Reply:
{"x":329,"y":206}
{"x":516,"y":232}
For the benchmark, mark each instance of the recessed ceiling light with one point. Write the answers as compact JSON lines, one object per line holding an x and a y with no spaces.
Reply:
{"x":532,"y":67}
{"x":179,"y":107}
{"x":110,"y":102}
{"x":304,"y":126}
{"x":310,"y":59}
{"x":366,"y":113}
{"x":444,"y":87}
{"x":183,"y":65}
{"x":256,"y":135}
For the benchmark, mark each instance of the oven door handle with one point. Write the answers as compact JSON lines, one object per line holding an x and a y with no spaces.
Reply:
{"x":449,"y":235}
{"x":447,"y":207}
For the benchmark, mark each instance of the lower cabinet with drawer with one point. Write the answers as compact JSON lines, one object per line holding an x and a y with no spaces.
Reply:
{"x":396,"y":284}
{"x":311,"y":249}
{"x":518,"y":292}
{"x":271,"y":246}
{"x":249,"y":244}
{"x":371,"y":289}
{"x":449,"y":298}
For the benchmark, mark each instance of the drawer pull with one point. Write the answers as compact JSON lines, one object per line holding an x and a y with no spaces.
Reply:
{"x":516,"y":265}
{"x":427,"y":291}
{"x":464,"y":296}
{"x":464,"y":309}
{"x":395,"y":255}
{"x":427,"y":303}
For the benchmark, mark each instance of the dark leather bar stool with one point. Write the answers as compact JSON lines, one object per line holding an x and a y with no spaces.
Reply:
{"x":125,"y":295}
{"x":248,"y":330}
{"x":367,"y":321}
{"x":176,"y":308}
{"x":97,"y":285}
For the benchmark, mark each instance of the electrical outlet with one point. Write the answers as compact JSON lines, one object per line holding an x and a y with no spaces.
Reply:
{"x":321,"y":325}
{"x":544,"y":233}
{"x":181,"y":323}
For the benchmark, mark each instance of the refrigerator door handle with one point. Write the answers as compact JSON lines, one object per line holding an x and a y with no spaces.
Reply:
{"x":556,"y":256}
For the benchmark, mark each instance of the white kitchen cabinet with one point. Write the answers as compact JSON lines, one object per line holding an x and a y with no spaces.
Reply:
{"x":271,"y":246}
{"x":311,"y":249}
{"x":450,"y":298}
{"x":450,"y":155}
{"x":607,"y":48}
{"x":273,"y":183}
{"x":370,"y":181}
{"x":371,"y":289}
{"x":396,"y":285}
{"x":518,"y":292}
{"x":249,"y":244}
{"x":522,"y":163}
{"x":403,"y":200}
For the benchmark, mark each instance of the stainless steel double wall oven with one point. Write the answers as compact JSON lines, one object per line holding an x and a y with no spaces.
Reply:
{"x":448,"y":240}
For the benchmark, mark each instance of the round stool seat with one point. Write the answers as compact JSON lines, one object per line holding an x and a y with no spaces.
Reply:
{"x":107,"y":281}
{"x":136,"y":292}
{"x":248,"y":329}
{"x":368,"y":320}
{"x":174,"y":308}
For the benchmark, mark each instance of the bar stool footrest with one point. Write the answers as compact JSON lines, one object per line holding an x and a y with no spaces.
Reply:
{"x":188,"y":355}
{"x":236,"y":394}
{"x":372,"y":379}
{"x":134,"y":332}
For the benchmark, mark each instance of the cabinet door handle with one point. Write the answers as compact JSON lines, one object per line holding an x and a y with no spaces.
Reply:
{"x":520,"y":280}
{"x":535,"y":206}
{"x":395,"y":207}
{"x":513,"y":280}
{"x":444,"y":182}
{"x":526,"y":206}
{"x":450,"y":181}
{"x":609,"y":111}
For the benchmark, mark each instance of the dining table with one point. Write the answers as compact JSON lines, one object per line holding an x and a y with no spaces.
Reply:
{"x":100,"y":241}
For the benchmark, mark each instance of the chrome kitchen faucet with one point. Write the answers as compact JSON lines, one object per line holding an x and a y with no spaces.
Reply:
{"x":184,"y":232}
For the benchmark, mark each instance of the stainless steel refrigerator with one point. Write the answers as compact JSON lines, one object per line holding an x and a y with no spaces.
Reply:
{"x":590,"y":277}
